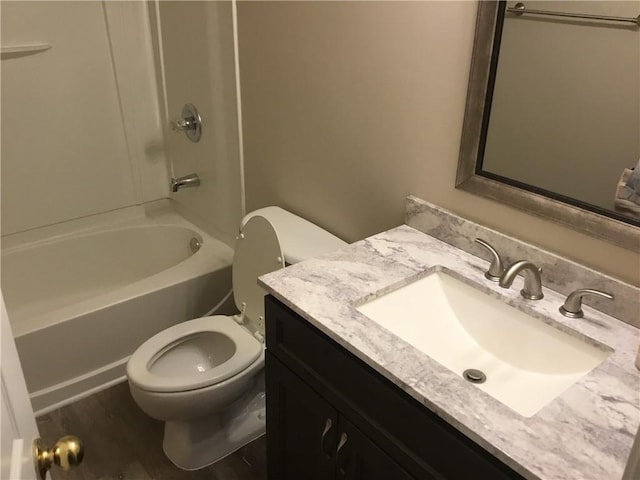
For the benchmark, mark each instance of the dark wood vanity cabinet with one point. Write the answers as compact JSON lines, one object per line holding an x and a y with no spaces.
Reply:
{"x":332,"y":417}
{"x":312,"y":440}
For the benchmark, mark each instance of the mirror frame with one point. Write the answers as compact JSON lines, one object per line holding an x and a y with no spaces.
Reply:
{"x":480,"y":87}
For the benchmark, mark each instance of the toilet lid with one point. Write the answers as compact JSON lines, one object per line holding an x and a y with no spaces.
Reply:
{"x":257,"y":253}
{"x":187,"y":356}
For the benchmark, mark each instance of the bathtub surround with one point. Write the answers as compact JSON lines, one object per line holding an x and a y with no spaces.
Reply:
{"x":146,"y":60}
{"x":586,"y":432}
{"x":95,"y":289}
{"x":80,"y":122}
{"x":194,"y":43}
{"x":559,"y":274}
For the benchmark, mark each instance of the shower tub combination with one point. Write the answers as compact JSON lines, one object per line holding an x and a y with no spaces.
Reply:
{"x":81,"y":302}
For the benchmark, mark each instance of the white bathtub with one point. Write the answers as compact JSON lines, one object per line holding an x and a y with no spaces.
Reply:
{"x":80,"y":303}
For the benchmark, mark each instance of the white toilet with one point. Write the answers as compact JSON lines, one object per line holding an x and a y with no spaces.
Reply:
{"x":204,"y":377}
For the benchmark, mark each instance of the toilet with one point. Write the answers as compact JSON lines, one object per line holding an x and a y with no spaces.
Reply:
{"x":204,"y":377}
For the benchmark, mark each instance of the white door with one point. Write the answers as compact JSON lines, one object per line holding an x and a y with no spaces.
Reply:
{"x":17,"y":422}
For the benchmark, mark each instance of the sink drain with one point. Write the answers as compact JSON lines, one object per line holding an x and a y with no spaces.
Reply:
{"x":474,"y":376}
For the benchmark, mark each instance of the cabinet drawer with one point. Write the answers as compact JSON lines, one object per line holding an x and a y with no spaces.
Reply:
{"x":396,"y":422}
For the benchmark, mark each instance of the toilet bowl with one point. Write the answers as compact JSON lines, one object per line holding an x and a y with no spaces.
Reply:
{"x":204,"y":378}
{"x":208,"y":361}
{"x":190,"y":376}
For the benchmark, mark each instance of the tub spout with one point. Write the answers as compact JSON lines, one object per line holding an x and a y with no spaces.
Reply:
{"x":191,"y":180}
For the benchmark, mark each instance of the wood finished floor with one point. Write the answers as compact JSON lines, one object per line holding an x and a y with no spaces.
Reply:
{"x":121,"y":442}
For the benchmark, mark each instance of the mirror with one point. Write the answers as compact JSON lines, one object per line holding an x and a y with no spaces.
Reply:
{"x":534,"y":123}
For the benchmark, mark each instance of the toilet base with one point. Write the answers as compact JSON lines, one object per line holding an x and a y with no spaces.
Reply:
{"x":203,"y":441}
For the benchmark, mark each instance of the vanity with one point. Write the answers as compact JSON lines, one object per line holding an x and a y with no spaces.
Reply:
{"x":396,"y":358}
{"x":350,"y":398}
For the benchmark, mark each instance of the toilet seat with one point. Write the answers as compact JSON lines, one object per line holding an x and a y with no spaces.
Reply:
{"x":198,"y":340}
{"x":257,"y":253}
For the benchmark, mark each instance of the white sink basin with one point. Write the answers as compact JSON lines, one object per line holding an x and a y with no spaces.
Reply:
{"x":527,"y":362}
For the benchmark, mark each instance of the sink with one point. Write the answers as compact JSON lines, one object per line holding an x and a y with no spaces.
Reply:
{"x":525,"y":362}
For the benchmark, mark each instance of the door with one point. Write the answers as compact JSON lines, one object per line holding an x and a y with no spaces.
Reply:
{"x":18,"y":423}
{"x":358,"y":458}
{"x":301,"y":428}
{"x":308,"y":439}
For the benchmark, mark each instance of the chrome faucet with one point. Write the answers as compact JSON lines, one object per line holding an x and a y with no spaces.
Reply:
{"x":532,"y":289}
{"x":191,"y":180}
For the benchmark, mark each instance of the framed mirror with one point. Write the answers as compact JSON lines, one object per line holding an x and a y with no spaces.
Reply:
{"x":552,"y":121}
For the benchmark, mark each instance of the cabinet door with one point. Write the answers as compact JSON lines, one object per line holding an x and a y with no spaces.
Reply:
{"x":301,"y":428}
{"x":358,"y":458}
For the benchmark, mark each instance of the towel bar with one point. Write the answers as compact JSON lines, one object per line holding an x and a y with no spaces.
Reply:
{"x":520,"y":9}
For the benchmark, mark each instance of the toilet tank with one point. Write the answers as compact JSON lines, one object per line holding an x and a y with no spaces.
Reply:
{"x":299,"y":239}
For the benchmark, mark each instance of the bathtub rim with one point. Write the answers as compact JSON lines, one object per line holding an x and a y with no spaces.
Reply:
{"x":212,"y":256}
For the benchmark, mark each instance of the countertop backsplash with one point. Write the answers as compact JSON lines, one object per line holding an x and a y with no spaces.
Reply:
{"x":558,"y":273}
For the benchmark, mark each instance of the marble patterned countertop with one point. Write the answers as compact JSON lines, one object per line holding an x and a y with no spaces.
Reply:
{"x":585,"y":433}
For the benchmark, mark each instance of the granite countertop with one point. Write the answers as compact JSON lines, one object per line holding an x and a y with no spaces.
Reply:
{"x":585,"y":433}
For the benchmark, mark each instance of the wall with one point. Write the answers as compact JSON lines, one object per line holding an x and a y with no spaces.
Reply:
{"x":80,"y":122}
{"x":350,"y":106}
{"x":196,"y":42}
{"x":565,"y":114}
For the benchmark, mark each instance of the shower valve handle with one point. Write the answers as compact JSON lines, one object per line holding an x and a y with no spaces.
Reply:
{"x":185,"y":124}
{"x":190,"y":123}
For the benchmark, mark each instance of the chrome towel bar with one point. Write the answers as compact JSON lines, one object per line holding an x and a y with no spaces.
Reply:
{"x":520,"y":9}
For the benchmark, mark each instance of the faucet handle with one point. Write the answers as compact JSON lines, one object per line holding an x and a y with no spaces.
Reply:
{"x":497,"y":267}
{"x":190,"y":123}
{"x":572,"y":306}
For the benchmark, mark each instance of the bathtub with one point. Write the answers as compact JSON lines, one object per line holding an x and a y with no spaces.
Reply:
{"x":81,"y":302}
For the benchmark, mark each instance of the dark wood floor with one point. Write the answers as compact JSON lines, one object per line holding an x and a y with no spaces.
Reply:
{"x":121,"y":442}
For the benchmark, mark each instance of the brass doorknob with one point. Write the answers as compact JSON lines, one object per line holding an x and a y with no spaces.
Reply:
{"x":67,"y":452}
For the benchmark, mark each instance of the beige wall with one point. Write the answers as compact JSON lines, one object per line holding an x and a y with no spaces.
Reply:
{"x":199,"y":68}
{"x":80,"y":120}
{"x":350,"y":106}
